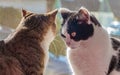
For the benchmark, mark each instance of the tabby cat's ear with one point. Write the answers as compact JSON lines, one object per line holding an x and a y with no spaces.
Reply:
{"x":84,"y":14}
{"x":25,"y":12}
{"x":65,"y":13}
{"x":52,"y":14}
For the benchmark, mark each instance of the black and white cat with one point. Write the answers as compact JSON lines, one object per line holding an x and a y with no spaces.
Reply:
{"x":90,"y":49}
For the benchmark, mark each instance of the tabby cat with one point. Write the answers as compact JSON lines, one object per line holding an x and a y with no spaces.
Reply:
{"x":90,"y":49}
{"x":25,"y":51}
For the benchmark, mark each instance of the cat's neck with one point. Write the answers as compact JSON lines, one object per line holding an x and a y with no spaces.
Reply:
{"x":48,"y":38}
{"x":96,"y":51}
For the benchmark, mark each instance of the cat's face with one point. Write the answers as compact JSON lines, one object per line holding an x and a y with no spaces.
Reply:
{"x":42,"y":25}
{"x":77,"y":26}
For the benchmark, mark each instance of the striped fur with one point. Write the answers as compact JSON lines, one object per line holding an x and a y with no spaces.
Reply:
{"x":25,"y":51}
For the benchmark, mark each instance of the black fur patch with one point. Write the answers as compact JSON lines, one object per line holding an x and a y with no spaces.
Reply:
{"x":115,"y":43}
{"x":65,"y":16}
{"x":83,"y":30}
{"x":112,"y":65}
{"x":94,"y":20}
{"x":2,"y":46}
{"x":118,"y":64}
{"x":115,"y":61}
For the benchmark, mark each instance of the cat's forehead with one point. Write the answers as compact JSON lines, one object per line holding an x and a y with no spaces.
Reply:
{"x":33,"y":15}
{"x":35,"y":18}
{"x":75,"y":18}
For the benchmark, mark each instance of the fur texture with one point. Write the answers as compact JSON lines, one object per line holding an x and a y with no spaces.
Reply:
{"x":25,"y":51}
{"x":90,"y":49}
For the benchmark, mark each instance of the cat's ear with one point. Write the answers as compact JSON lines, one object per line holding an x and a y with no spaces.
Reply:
{"x":25,"y":12}
{"x":52,"y":14}
{"x":65,"y":13}
{"x":84,"y":14}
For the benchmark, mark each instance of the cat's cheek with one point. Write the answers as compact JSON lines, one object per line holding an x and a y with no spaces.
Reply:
{"x":68,"y":40}
{"x":66,"y":43}
{"x":71,"y":44}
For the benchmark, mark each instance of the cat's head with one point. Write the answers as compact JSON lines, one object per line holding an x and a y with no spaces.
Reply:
{"x":77,"y":25}
{"x":42,"y":25}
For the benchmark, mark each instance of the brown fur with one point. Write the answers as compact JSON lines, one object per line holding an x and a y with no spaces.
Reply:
{"x":21,"y":53}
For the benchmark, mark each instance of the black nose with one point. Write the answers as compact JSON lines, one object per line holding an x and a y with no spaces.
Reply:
{"x":63,"y":35}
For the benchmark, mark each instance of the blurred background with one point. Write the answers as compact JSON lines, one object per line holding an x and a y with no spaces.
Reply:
{"x":106,"y":11}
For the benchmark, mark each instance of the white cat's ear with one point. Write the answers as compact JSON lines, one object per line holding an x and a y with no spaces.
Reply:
{"x":65,"y":13}
{"x":84,"y":14}
{"x":52,"y":14}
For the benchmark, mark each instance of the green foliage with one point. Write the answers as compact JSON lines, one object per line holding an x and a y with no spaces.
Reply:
{"x":58,"y":46}
{"x":9,"y":16}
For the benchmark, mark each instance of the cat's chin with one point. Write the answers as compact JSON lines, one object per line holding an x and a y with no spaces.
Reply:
{"x":73,"y":46}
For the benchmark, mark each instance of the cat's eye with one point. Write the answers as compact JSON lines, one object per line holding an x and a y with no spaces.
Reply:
{"x":73,"y":34}
{"x":63,"y":35}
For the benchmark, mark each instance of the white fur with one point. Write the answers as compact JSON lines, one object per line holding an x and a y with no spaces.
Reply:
{"x":92,"y":56}
{"x":115,"y":73}
{"x":48,"y":38}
